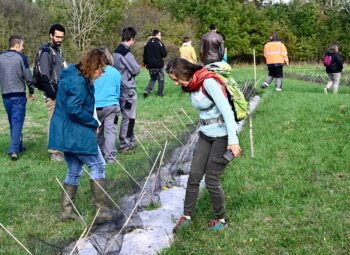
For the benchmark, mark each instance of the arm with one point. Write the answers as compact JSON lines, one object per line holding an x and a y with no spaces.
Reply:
{"x":163,"y":51}
{"x":27,"y":74}
{"x":131,"y":64}
{"x":194,"y":56}
{"x":214,"y":89}
{"x":75,"y":107}
{"x":201,"y":50}
{"x":284,"y":54}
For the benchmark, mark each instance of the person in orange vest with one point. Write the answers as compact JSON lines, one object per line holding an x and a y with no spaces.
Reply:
{"x":276,"y":56}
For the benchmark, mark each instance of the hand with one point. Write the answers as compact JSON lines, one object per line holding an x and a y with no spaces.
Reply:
{"x":235,"y":148}
{"x":97,"y":130}
{"x":31,"y":97}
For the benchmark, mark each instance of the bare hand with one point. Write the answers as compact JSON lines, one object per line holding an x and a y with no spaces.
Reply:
{"x":235,"y":148}
{"x":31,"y":97}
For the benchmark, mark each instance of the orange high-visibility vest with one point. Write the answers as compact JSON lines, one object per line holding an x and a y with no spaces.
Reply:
{"x":275,"y":53}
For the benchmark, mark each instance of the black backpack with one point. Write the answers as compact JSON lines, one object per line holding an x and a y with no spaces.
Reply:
{"x":36,"y":66}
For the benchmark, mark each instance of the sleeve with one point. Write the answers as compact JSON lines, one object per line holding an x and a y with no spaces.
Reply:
{"x":214,"y":89}
{"x":201,"y":49}
{"x":131,"y":64}
{"x":284,"y":54}
{"x":144,"y":55}
{"x":76,"y":110}
{"x":44,"y":63}
{"x":28,"y":75}
{"x":194,"y":56}
{"x":163,"y":50}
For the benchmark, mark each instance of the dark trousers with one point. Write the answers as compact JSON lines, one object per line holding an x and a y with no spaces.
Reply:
{"x":156,"y":75}
{"x":207,"y":159}
{"x":16,"y":112}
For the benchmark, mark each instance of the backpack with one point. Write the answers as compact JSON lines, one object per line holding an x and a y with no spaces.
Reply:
{"x":36,"y":67}
{"x":235,"y":96}
{"x":327,"y":60}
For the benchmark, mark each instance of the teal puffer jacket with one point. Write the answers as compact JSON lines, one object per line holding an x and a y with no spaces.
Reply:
{"x":73,"y":126}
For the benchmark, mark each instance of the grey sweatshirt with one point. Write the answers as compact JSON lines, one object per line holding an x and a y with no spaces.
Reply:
{"x":14,"y":73}
{"x":126,"y":64}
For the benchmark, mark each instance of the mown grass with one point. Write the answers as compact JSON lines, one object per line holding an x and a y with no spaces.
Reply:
{"x":292,"y":198}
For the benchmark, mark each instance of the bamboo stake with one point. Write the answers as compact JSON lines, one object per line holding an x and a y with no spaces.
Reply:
{"x":182,"y":109}
{"x":105,"y":192}
{"x":135,"y":207}
{"x":172,"y":133}
{"x":75,"y":208}
{"x":251,"y":135}
{"x":143,"y":147}
{"x":254,"y":68}
{"x":177,"y":115}
{"x":153,"y":138}
{"x":93,"y":221}
{"x":76,"y":244}
{"x":138,"y":184}
{"x":125,"y":224}
{"x":160,"y":162}
{"x":8,"y":232}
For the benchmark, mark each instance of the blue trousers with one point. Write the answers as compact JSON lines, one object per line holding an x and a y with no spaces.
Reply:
{"x":75,"y":162}
{"x":16,"y":112}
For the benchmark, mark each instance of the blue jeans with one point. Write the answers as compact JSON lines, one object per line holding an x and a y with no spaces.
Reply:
{"x":16,"y":112}
{"x":75,"y":162}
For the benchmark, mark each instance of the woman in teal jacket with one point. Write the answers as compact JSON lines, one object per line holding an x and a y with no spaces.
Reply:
{"x":73,"y":130}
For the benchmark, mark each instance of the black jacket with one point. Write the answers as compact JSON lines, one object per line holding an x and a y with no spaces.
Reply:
{"x":153,"y":54}
{"x":336,"y":65}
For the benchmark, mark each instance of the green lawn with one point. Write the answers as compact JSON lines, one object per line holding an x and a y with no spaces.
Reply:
{"x":292,"y":198}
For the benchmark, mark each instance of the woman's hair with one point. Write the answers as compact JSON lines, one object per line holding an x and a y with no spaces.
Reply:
{"x":92,"y":60}
{"x":186,"y":39}
{"x":334,"y":48}
{"x":108,"y":56}
{"x":182,"y":68}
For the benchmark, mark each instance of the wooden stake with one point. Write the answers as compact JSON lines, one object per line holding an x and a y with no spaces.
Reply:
{"x":76,"y":244}
{"x":172,"y":133}
{"x":254,"y":69}
{"x":143,"y":148}
{"x":251,"y":135}
{"x":8,"y":232}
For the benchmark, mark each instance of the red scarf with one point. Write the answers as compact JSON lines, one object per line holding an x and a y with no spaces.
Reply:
{"x":200,"y":76}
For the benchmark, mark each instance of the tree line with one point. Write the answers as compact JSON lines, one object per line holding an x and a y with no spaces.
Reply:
{"x":306,"y":27}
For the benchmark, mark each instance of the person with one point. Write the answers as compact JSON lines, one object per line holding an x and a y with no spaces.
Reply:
{"x":14,"y":74}
{"x":276,"y":56}
{"x":107,"y":94}
{"x":73,"y":131}
{"x":51,"y":62}
{"x":334,"y":69}
{"x":125,"y":63}
{"x":217,"y":135}
{"x":211,"y":46}
{"x":153,"y":54}
{"x":187,"y":51}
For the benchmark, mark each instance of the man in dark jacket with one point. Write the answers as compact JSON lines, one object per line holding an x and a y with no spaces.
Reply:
{"x":14,"y":73}
{"x":51,"y":62}
{"x":153,"y":54}
{"x":211,"y":46}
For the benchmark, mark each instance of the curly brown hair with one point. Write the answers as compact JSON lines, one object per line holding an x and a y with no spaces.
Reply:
{"x":93,"y":60}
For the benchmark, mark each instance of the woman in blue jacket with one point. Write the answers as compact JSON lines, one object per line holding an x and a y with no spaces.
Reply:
{"x":73,"y":130}
{"x":217,"y":135}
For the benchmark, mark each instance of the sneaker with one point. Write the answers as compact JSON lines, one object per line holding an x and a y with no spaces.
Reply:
{"x":264,"y":85}
{"x":145,"y":94}
{"x":57,"y":157}
{"x":325,"y":90}
{"x":278,"y":89}
{"x":183,"y":223}
{"x":216,"y":225}
{"x":13,"y":156}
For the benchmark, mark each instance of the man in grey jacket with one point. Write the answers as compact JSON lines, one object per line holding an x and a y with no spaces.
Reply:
{"x":126,"y":64}
{"x":14,"y":73}
{"x":211,"y":46}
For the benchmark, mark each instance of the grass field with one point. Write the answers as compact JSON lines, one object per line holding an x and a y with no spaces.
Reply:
{"x":292,"y":198}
